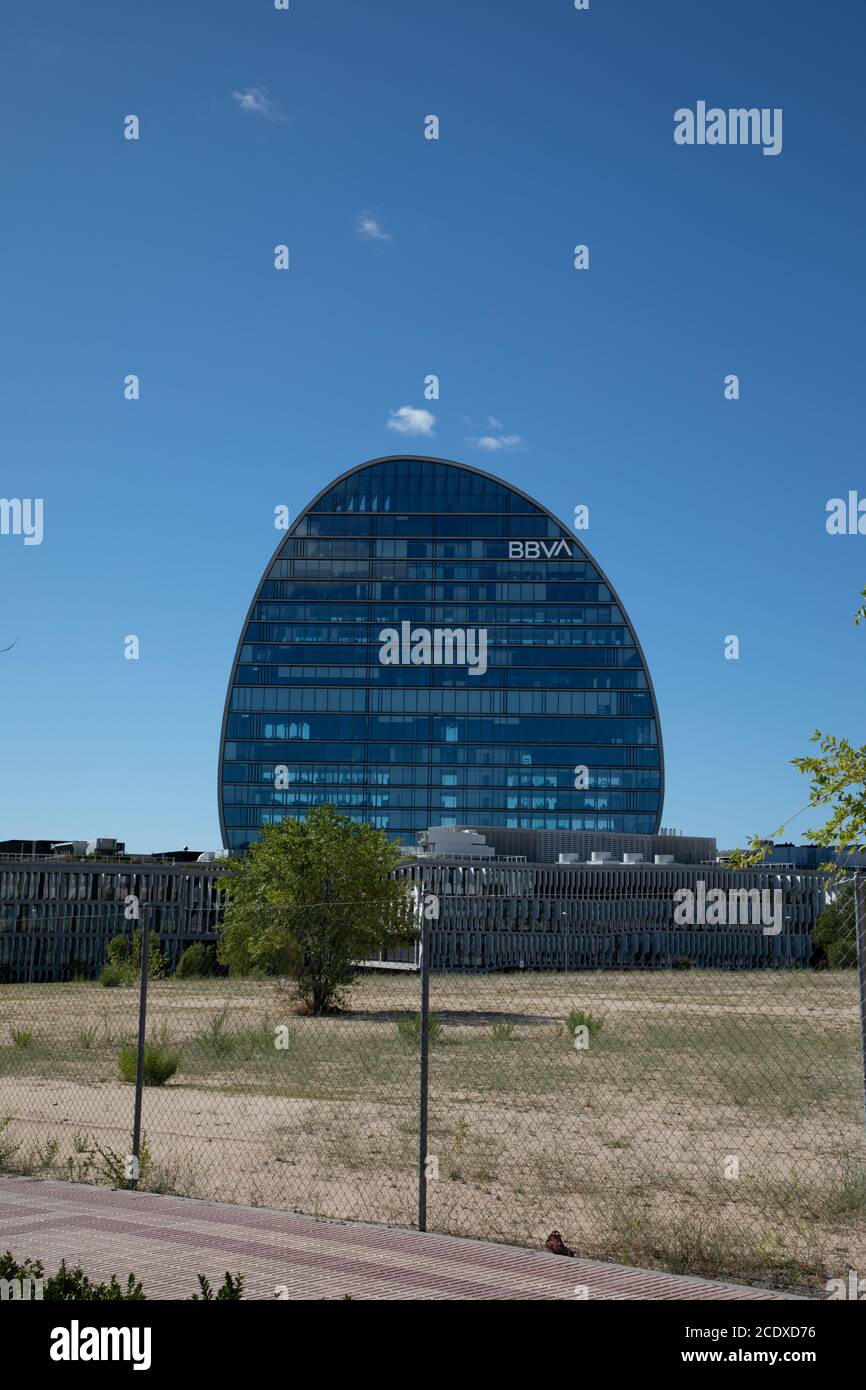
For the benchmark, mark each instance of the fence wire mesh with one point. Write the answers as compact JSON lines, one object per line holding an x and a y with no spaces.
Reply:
{"x":709,"y":1121}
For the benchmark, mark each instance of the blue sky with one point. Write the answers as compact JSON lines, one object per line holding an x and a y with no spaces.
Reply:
{"x":261,"y":127}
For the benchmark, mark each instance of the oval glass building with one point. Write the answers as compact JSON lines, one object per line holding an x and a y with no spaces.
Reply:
{"x":429,"y":646}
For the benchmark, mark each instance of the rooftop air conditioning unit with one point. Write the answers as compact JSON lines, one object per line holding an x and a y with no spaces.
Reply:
{"x":600,"y":856}
{"x":632,"y":859}
{"x":664,"y":859}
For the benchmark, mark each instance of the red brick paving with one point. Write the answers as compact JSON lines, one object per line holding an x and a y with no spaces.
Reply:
{"x":166,"y":1241}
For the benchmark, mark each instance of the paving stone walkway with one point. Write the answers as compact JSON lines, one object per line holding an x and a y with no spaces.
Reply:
{"x":166,"y":1241}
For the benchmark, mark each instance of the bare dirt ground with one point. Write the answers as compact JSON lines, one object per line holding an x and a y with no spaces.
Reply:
{"x":713,"y":1125}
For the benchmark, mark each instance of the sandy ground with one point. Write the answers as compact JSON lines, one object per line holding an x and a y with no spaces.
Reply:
{"x":713,"y":1125}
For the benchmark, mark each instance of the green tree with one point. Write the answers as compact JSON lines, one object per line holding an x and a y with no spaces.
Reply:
{"x":834,"y":930}
{"x":311,"y":898}
{"x":837,"y":782}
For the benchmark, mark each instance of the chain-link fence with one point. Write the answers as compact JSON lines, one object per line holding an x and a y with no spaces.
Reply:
{"x":704,"y":1120}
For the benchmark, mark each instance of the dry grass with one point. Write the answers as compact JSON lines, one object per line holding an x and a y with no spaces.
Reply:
{"x":623,"y":1146}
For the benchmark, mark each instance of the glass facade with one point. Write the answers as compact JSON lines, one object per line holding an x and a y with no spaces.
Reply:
{"x":428,"y":646}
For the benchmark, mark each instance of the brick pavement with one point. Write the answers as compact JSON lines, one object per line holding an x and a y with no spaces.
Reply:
{"x":166,"y":1241}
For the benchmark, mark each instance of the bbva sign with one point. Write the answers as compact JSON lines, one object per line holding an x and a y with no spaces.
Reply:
{"x":539,"y":550}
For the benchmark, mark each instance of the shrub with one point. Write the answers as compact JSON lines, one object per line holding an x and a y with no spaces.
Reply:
{"x":124,"y":955}
{"x":46,"y":1154}
{"x":502,"y":1029}
{"x":578,"y":1018}
{"x":215,"y":1038}
{"x":232,"y":1287}
{"x":8,"y":1146}
{"x":197,"y":961}
{"x":681,"y":963}
{"x":22,"y":1037}
{"x":409,"y":1029}
{"x":70,"y":1285}
{"x":74,"y":1286}
{"x":159,"y":1063}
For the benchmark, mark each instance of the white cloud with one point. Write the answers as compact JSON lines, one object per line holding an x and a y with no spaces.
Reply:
{"x":493,"y":423}
{"x":369,"y":229}
{"x":260,"y":102}
{"x":493,"y":442}
{"x":409,"y":420}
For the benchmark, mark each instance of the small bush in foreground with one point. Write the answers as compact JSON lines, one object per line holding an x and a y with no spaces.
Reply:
{"x":74,"y":1286}
{"x":232,"y":1287}
{"x":70,"y":1285}
{"x":159,"y":1063}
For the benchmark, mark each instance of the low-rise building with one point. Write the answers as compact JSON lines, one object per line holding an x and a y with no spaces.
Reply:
{"x":506,"y":899}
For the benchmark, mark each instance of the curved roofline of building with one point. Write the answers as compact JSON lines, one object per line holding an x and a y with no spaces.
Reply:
{"x":491,"y":477}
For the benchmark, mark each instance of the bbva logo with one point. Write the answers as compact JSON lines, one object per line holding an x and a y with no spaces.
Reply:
{"x":538,"y":550}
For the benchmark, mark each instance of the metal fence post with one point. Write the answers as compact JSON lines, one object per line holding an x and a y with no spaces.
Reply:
{"x":860,"y":928}
{"x":424,"y":1073}
{"x":139,"y":1065}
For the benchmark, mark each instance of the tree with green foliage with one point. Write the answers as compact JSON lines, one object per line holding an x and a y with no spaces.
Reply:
{"x":310,"y":899}
{"x":837,"y":781}
{"x":834,"y":931}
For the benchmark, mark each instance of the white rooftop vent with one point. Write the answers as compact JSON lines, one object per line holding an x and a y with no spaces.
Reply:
{"x":600,"y":856}
{"x":632,"y":859}
{"x":570,"y":859}
{"x":664,"y":859}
